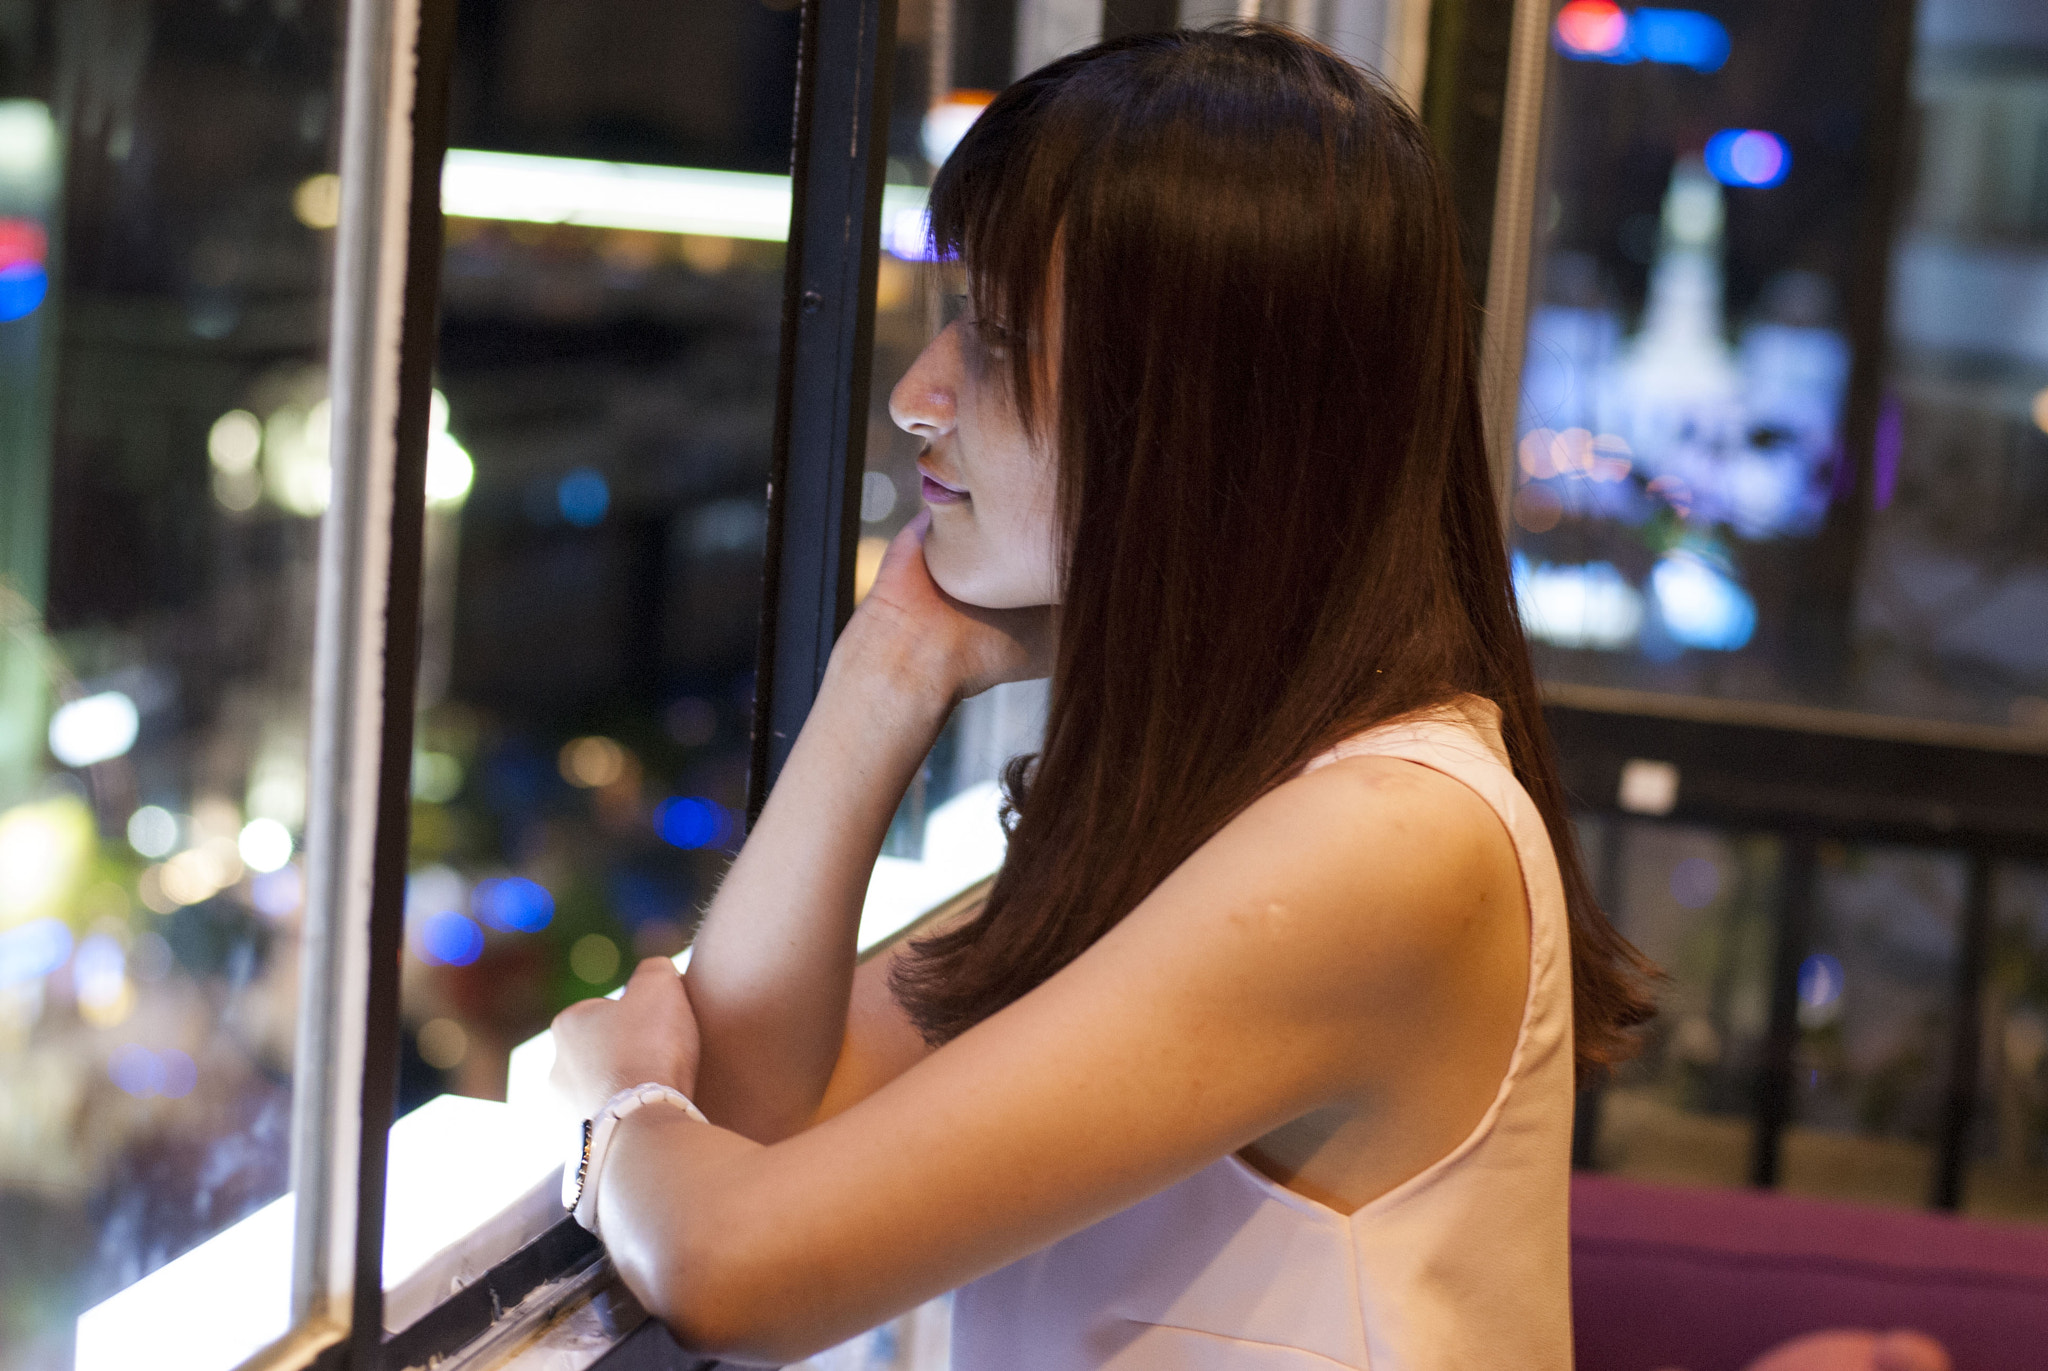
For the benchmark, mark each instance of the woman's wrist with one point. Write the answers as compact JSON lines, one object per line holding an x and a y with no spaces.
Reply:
{"x":898,"y":678}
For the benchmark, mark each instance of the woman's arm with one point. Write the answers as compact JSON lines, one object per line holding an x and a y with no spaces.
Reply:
{"x":1356,"y":940}
{"x":772,"y":977}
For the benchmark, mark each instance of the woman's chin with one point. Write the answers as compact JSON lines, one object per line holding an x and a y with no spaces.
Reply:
{"x":981,"y":586}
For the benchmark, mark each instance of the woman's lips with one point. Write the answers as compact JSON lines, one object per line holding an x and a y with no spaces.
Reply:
{"x":937,"y":492}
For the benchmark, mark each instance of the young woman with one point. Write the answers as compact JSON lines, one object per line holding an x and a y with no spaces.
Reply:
{"x":1260,"y":1052}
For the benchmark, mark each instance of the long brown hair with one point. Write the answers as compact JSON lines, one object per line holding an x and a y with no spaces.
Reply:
{"x":1278,"y":522}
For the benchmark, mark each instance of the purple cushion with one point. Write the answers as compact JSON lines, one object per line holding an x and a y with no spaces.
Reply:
{"x":1709,"y":1280}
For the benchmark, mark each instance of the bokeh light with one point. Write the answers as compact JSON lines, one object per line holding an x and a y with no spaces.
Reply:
{"x":144,"y":1073}
{"x":513,"y":903}
{"x":450,"y":939}
{"x":45,"y":847}
{"x":235,"y":442}
{"x":1821,"y":981}
{"x":1748,"y":157}
{"x":947,"y":122}
{"x":1701,"y":605}
{"x":442,"y":1043}
{"x":153,"y":831}
{"x":1591,"y":28}
{"x":99,"y":976}
{"x":594,"y":959}
{"x":691,"y":822}
{"x":316,"y":202}
{"x":33,"y":950}
{"x":264,"y":845}
{"x":583,"y":496}
{"x":278,"y":894}
{"x":97,"y":728}
{"x":591,"y":762}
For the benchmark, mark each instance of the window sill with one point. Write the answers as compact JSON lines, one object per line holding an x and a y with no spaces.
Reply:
{"x":470,"y":1182}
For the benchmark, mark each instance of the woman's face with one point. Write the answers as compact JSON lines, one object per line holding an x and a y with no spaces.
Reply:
{"x":992,"y":491}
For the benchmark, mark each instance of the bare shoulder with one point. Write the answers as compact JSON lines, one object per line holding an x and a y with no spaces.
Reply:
{"x":1380,"y":848}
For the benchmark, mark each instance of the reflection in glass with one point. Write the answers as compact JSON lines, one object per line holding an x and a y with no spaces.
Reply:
{"x":162,"y":462}
{"x":1689,"y":515}
{"x":2008,"y":1169}
{"x":1697,"y":903}
{"x":1875,"y":1019}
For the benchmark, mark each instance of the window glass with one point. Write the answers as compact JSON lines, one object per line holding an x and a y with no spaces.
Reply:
{"x":1699,"y":904}
{"x":951,"y":57}
{"x":2008,"y":1170}
{"x":1688,"y":515}
{"x":164,"y":207}
{"x":1876,"y":1016}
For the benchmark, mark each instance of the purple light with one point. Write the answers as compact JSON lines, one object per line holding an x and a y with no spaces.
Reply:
{"x":1748,"y":157}
{"x":450,"y":939}
{"x":1885,"y":449}
{"x":143,"y":1073}
{"x":181,"y":1073}
{"x":136,"y":1070}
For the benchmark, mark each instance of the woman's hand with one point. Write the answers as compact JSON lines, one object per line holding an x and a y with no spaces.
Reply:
{"x":648,"y":1034}
{"x":907,"y":625}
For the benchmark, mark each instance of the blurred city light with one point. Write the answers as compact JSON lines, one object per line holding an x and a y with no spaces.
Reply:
{"x":1599,"y":31}
{"x":316,"y":202}
{"x":450,"y":939}
{"x":144,"y":1073}
{"x":24,"y":273}
{"x":1591,"y":28}
{"x":99,"y":976}
{"x":594,"y":959}
{"x":1748,"y":157}
{"x":705,"y":204}
{"x":691,"y":822}
{"x":45,"y":846}
{"x":1682,"y":38}
{"x":277,"y":894}
{"x":32,"y":950}
{"x":1700,"y":604}
{"x":589,"y":763}
{"x":234,"y":442}
{"x":442,"y":1043}
{"x":1821,"y":980}
{"x":265,"y":845}
{"x":296,"y":470}
{"x":947,"y":122}
{"x":450,"y":469}
{"x":1577,"y":606}
{"x":513,"y":903}
{"x":2039,"y":409}
{"x":877,"y":497}
{"x":436,"y":777}
{"x":153,"y":831}
{"x":583,"y":496}
{"x":95,"y":729}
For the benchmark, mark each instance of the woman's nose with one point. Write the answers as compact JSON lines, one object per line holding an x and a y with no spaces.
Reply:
{"x":923,"y":401}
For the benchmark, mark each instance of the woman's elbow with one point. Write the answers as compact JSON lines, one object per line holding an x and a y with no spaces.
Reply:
{"x":716,"y":1307}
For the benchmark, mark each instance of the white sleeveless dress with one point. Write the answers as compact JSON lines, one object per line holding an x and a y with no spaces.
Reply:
{"x":1463,"y":1266}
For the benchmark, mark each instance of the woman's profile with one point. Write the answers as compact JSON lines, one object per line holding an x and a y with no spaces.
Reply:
{"x":1260,"y":1052}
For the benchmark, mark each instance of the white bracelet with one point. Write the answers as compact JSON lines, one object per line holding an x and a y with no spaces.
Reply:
{"x":579,"y":1177}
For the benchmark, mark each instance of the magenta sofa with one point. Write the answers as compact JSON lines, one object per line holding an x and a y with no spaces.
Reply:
{"x":1709,"y":1280}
